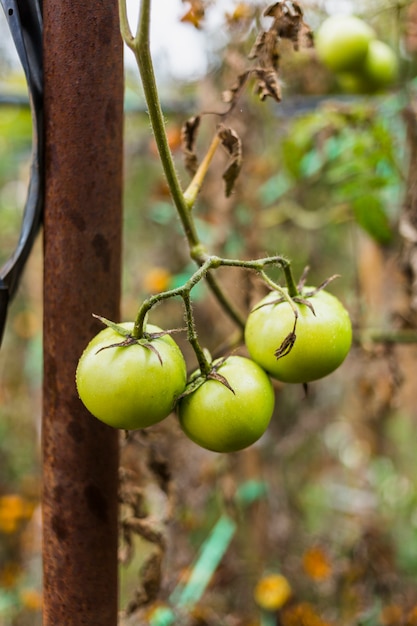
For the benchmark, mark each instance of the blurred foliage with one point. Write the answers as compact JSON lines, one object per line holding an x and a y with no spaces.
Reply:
{"x":325,"y":505}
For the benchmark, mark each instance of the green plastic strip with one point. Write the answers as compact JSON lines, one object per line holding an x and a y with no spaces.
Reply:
{"x":211,"y":553}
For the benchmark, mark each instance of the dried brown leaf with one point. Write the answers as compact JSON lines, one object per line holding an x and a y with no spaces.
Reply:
{"x":267,"y":83}
{"x":189,"y":133}
{"x":286,"y":346}
{"x":232,"y":143}
{"x":146,"y":528}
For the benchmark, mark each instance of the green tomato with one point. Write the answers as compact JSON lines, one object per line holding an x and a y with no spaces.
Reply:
{"x":342,"y":42}
{"x":381,"y":65}
{"x":130,"y":387}
{"x":354,"y":82}
{"x":378,"y":71}
{"x":322,"y":342}
{"x":222,"y":420}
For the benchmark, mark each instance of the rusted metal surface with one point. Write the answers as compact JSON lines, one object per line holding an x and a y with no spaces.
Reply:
{"x":82,"y":238}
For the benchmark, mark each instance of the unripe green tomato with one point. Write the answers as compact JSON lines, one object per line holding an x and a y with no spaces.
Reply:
{"x":354,"y":82}
{"x":342,"y":42}
{"x":381,"y":65}
{"x":128,"y":387}
{"x":222,"y":420}
{"x":323,"y":338}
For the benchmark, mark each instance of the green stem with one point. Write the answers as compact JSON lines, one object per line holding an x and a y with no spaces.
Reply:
{"x":204,"y":271}
{"x":141,"y":49}
{"x":285,"y":294}
{"x":139,"y":325}
{"x":289,"y":279}
{"x":184,"y":292}
{"x":203,"y":362}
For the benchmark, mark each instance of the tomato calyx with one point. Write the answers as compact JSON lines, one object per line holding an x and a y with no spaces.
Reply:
{"x":129,"y":339}
{"x":197,"y":379}
{"x":316,"y":290}
{"x":301,"y":298}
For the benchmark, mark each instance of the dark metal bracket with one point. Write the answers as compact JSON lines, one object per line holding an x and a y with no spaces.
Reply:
{"x":24,"y":18}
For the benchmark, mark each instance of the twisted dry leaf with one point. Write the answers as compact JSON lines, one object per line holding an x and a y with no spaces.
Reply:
{"x":287,"y":23}
{"x":232,"y":143}
{"x":268,"y":84}
{"x":189,"y":133}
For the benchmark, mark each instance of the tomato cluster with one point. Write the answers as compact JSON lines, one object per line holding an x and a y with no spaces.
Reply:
{"x":348,"y":47}
{"x":132,"y":384}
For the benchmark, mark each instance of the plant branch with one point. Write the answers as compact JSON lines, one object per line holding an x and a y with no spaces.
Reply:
{"x":203,"y":362}
{"x":205,"y":272}
{"x":193,"y":189}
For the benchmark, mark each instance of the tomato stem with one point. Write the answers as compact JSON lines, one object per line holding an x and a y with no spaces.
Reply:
{"x":209,"y":264}
{"x":203,"y":362}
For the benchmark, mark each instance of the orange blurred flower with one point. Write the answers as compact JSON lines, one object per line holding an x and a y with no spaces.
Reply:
{"x":13,"y":510}
{"x":316,"y":564}
{"x":242,"y":12}
{"x":195,"y":14}
{"x":156,"y":280}
{"x":31,"y":599}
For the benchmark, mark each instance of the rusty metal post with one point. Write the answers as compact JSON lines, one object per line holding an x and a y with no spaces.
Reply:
{"x":82,"y":238}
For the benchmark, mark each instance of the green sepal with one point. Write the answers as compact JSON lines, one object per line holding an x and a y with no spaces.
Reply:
{"x":118,"y":328}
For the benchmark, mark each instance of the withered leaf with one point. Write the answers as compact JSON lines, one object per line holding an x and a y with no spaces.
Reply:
{"x":267,"y":83}
{"x":305,"y":37}
{"x":288,"y":23}
{"x":189,"y":133}
{"x":146,"y":528}
{"x":265,"y":50}
{"x":286,"y":346}
{"x":232,"y":143}
{"x":257,"y":46}
{"x":151,"y":575}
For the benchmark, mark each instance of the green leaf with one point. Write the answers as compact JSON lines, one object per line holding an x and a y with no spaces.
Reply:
{"x":275,"y":187}
{"x":370,"y":215}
